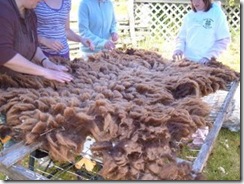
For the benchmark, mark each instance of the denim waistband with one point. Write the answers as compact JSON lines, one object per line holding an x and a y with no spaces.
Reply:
{"x":66,"y":55}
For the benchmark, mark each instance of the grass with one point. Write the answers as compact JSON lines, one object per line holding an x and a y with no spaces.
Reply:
{"x":224,"y":162}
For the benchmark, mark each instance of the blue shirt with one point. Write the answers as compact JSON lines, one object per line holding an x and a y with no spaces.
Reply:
{"x":97,"y":22}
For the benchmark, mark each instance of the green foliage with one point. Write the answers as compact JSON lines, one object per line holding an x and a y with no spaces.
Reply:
{"x":230,"y":2}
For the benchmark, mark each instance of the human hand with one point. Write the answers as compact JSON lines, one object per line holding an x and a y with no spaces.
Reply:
{"x":88,"y":43}
{"x":204,"y":60}
{"x":109,"y":45}
{"x":178,"y":54}
{"x":59,"y":76}
{"x":52,"y":44}
{"x":115,"y":37}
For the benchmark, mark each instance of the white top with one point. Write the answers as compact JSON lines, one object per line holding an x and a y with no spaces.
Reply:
{"x":203,"y":34}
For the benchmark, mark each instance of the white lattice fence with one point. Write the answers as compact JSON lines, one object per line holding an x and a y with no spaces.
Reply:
{"x":165,"y":18}
{"x":233,"y":16}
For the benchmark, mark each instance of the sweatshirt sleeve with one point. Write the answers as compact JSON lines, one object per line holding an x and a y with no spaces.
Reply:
{"x":180,"y":40}
{"x":84,"y":26}
{"x":218,"y":47}
{"x":7,"y":51}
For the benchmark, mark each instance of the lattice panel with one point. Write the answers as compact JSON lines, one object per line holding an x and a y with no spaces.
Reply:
{"x":164,"y":19}
{"x":233,"y":16}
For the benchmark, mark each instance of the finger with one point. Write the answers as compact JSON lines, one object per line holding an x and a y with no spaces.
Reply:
{"x":112,"y":45}
{"x":54,"y":47}
{"x":59,"y":46}
{"x":92,"y":47}
{"x":63,"y":68}
{"x":89,"y":43}
{"x":178,"y":57}
{"x":66,"y":77}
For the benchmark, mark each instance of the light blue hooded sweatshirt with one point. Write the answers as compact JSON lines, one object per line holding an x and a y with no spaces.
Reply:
{"x":97,"y":22}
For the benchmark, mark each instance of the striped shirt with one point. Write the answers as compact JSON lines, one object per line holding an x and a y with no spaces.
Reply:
{"x":51,"y":25}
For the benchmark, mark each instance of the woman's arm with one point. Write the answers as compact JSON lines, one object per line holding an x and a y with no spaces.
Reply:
{"x":41,"y":58}
{"x":19,"y":64}
{"x":181,"y":37}
{"x":72,"y":36}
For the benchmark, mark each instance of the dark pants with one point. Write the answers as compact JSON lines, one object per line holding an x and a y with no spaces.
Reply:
{"x":66,"y":56}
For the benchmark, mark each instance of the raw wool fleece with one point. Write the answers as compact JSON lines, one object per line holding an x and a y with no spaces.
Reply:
{"x":135,"y":104}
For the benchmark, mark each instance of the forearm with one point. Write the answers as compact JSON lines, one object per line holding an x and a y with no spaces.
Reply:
{"x":41,"y":40}
{"x":180,"y":41}
{"x":96,"y":40}
{"x":72,"y":36}
{"x":19,"y":64}
{"x":39,"y":56}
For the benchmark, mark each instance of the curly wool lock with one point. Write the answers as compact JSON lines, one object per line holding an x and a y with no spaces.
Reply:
{"x":136,"y":104}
